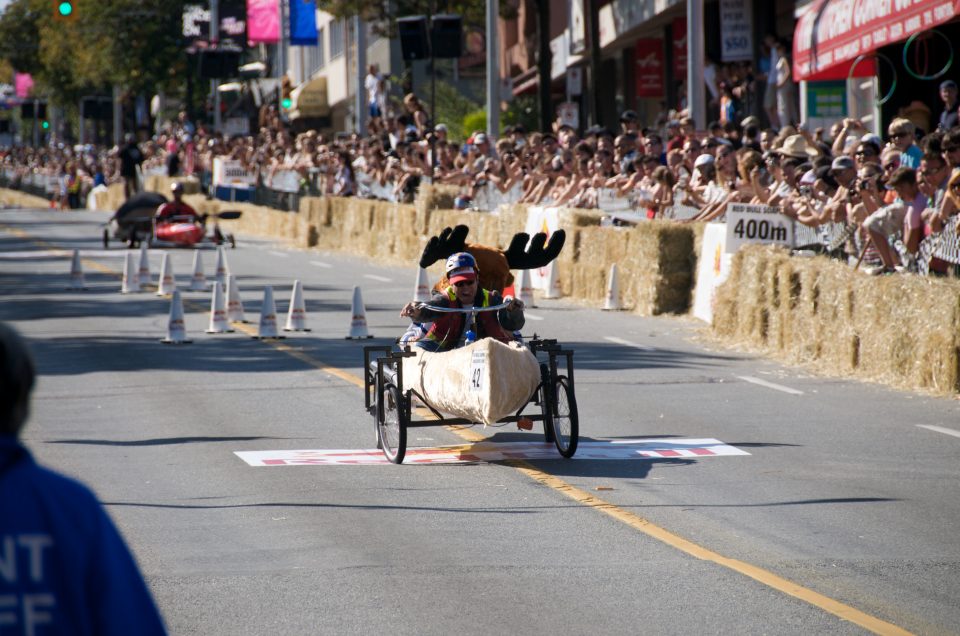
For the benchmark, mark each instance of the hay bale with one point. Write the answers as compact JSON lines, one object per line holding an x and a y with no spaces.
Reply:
{"x":900,"y":330}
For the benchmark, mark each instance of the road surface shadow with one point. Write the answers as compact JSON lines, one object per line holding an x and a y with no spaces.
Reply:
{"x":161,"y":441}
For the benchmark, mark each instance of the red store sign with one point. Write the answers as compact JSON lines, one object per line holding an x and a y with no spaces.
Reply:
{"x":833,"y":33}
{"x":649,"y":68}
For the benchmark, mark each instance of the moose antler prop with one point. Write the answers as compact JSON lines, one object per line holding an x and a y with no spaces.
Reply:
{"x":494,"y":264}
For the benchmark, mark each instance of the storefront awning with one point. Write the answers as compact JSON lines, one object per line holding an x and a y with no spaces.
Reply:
{"x":833,"y":33}
{"x":310,"y":99}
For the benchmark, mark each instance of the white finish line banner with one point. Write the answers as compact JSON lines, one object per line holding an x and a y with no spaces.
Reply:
{"x":497,"y":452}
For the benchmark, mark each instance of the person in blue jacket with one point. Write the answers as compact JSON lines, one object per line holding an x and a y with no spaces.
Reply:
{"x":64,"y":568}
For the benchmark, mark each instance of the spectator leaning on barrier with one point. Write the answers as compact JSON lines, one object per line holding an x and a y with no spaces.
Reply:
{"x":904,"y":215}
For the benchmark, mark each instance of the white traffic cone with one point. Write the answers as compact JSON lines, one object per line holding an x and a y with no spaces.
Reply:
{"x":143,"y":273}
{"x":552,"y":290}
{"x":218,"y":311}
{"x":525,"y":288}
{"x":76,"y":273}
{"x":198,"y":282}
{"x":131,"y":279}
{"x":223,"y":269}
{"x":176,"y":328}
{"x":612,"y":303}
{"x":358,"y":321}
{"x":167,"y":283}
{"x":422,"y":293}
{"x":234,"y":304}
{"x":297,"y":313}
{"x":268,"y":316}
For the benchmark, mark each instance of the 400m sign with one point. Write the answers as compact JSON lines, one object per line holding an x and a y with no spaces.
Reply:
{"x":748,"y":223}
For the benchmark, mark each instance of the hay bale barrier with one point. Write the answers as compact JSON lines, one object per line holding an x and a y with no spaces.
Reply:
{"x":899,"y":330}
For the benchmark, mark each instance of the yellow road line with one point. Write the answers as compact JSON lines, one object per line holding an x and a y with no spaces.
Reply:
{"x":633,"y":520}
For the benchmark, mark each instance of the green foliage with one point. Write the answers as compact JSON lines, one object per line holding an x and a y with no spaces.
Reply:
{"x":130,"y":43}
{"x":452,"y":109}
{"x":477,"y":120}
{"x":525,"y":110}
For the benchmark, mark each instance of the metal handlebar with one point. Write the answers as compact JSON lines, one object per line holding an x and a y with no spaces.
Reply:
{"x":462,"y":310}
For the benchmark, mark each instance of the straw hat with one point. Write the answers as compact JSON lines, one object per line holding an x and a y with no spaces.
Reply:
{"x":796,"y":146}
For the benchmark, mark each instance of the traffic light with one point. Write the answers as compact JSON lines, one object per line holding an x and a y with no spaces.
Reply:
{"x":64,"y":10}
{"x":45,"y":124}
{"x":286,"y":87}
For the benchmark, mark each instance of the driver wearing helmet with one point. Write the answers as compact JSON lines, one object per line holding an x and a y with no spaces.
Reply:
{"x":177,"y":208}
{"x":449,"y":330}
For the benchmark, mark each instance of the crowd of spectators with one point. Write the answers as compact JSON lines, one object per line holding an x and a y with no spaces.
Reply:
{"x":881,"y":196}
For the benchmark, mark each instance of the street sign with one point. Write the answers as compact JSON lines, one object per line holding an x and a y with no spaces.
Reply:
{"x":748,"y":223}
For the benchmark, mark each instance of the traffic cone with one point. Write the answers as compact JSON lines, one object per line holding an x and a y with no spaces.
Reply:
{"x":222,"y":268}
{"x":612,"y":302}
{"x":234,"y":304}
{"x":297,"y":313}
{"x":143,"y":273}
{"x":131,"y":279}
{"x":167,"y":283}
{"x":552,"y":290}
{"x":268,"y":316}
{"x":422,"y":293}
{"x":76,"y":273}
{"x":358,"y":321}
{"x":218,"y":312}
{"x":525,"y":288}
{"x":198,"y":282}
{"x":176,"y":328}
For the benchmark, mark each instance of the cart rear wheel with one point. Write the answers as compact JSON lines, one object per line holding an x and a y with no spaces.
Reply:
{"x":564,"y":419}
{"x":392,"y":424}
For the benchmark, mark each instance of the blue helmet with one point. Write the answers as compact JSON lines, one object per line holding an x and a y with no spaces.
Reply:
{"x":460,"y":260}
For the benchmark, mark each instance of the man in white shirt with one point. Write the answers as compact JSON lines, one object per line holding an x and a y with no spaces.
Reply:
{"x":376,"y":92}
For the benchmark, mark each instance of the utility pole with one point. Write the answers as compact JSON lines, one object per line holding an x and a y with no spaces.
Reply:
{"x":360,"y":102}
{"x":117,"y":122}
{"x":214,"y":41}
{"x":544,"y":64}
{"x":281,"y":55}
{"x":493,"y":70}
{"x":592,"y":17}
{"x":696,"y":89}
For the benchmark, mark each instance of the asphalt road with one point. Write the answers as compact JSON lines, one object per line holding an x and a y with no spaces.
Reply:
{"x":844,"y":516}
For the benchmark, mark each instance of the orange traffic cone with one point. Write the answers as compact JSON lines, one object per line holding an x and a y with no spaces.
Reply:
{"x":218,"y":311}
{"x":297,"y":313}
{"x":198,"y":282}
{"x":76,"y":273}
{"x":167,"y":283}
{"x":234,"y":304}
{"x":268,"y":316}
{"x":176,"y":328}
{"x":358,"y":320}
{"x":131,"y":279}
{"x":612,"y":303}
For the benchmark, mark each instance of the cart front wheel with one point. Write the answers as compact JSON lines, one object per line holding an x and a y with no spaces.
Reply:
{"x":564,"y":419}
{"x":392,"y":424}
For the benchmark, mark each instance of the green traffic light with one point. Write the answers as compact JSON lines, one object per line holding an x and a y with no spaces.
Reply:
{"x":287,"y":102}
{"x":45,"y":125}
{"x":65,"y":9}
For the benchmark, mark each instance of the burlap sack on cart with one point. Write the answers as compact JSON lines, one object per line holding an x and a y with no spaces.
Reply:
{"x":482,"y":382}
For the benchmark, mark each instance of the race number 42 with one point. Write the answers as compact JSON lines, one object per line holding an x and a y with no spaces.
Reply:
{"x":478,"y":367}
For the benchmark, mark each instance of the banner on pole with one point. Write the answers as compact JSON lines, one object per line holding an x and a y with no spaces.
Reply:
{"x":263,"y":21}
{"x":303,"y":23}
